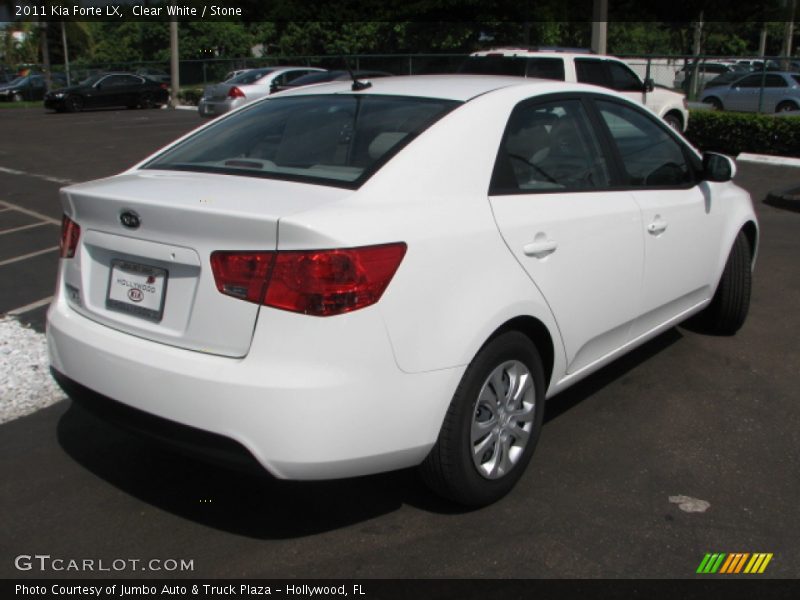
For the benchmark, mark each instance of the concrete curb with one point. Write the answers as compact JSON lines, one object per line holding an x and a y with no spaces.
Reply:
{"x":767,"y":159}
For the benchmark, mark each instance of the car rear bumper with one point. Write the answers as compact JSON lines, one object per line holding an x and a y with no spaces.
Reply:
{"x":315,"y":398}
{"x":214,"y":108}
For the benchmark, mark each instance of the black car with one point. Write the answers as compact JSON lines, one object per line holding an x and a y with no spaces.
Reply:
{"x":109,"y":89}
{"x":28,"y":87}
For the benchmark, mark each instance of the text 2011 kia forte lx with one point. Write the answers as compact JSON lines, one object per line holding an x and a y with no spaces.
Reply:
{"x":348,"y":279}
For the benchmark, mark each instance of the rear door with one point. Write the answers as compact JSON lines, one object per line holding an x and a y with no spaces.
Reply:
{"x":743,"y":95}
{"x":681,"y":226}
{"x":580,"y":243}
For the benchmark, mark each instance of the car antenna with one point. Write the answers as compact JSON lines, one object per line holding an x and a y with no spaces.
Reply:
{"x":357,"y":85}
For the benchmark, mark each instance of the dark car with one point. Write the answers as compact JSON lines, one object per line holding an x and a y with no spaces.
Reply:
{"x":109,"y":89}
{"x":28,"y":87}
{"x":328,"y":76}
{"x":155,"y":75}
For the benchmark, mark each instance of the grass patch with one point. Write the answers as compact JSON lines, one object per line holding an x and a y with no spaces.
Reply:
{"x":23,"y":104}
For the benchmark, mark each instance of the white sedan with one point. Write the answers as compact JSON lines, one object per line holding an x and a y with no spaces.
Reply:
{"x":348,"y":279}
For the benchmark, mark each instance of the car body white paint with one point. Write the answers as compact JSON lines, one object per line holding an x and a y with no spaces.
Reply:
{"x":367,"y":391}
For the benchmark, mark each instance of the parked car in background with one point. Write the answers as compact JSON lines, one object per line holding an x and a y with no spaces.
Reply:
{"x":108,"y":90}
{"x":583,"y":67}
{"x":342,"y":281}
{"x":706,"y":72}
{"x":327,"y":76}
{"x":155,"y":75}
{"x":724,"y":79}
{"x":781,"y":93}
{"x":29,"y":87}
{"x":247,"y":86}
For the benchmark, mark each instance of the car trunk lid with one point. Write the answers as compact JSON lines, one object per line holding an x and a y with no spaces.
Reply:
{"x":143,"y":263}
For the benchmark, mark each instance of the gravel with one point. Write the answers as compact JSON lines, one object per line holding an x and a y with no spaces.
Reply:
{"x":25,"y":381}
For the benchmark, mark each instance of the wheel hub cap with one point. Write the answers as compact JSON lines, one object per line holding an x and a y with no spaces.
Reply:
{"x":502,"y":420}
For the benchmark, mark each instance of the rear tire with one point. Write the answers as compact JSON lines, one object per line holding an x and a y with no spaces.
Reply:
{"x":731,"y":303}
{"x":146,"y":100}
{"x":488,"y":437}
{"x":716,"y":103}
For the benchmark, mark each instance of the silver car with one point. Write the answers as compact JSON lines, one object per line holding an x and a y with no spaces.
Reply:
{"x":781,"y":93}
{"x":246,"y":87}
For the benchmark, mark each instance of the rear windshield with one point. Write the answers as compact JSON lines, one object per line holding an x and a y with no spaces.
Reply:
{"x":338,"y":140}
{"x":249,"y":76}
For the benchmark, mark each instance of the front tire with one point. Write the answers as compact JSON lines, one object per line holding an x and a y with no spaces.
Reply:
{"x":674,"y":121}
{"x":492,"y":425}
{"x":74,"y":104}
{"x":731,"y":303}
{"x":786,"y":106}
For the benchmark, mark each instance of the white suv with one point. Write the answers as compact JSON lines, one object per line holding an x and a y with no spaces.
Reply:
{"x":595,"y":69}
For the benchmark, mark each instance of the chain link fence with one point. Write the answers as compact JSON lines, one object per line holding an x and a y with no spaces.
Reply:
{"x":685,"y":73}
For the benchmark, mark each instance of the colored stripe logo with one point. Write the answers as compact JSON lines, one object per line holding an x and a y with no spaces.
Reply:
{"x":734,"y":563}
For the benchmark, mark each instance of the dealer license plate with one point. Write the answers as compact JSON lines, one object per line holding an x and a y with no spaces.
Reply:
{"x":137,"y":289}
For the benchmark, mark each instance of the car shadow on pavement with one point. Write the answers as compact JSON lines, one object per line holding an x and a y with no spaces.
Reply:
{"x":255,"y":505}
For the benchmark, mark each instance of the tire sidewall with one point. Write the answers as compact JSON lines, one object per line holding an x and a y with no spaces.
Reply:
{"x":503,"y":348}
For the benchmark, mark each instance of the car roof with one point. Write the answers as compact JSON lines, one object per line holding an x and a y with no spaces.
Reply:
{"x":530,"y":53}
{"x":446,"y":87}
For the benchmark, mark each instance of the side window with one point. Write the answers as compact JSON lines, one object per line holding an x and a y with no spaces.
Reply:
{"x":651,"y":157}
{"x":774,"y":81}
{"x":546,"y":68}
{"x":623,"y":79}
{"x":750,"y":82}
{"x":592,"y":71}
{"x":549,"y":147}
{"x":113,"y":81}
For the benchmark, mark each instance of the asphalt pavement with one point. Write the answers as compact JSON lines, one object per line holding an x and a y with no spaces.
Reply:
{"x":714,"y":420}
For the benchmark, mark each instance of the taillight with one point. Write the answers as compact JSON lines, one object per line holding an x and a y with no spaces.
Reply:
{"x":313,"y":282}
{"x":70,"y":234}
{"x":164,"y":86}
{"x":242,"y":274}
{"x":235,"y":92}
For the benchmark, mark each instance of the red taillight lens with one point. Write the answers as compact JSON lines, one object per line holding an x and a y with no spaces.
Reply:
{"x":164,"y":86}
{"x":242,"y":274}
{"x":313,"y":282}
{"x":235,"y":92}
{"x":70,"y":234}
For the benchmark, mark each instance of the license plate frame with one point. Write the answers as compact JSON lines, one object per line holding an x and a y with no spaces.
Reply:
{"x":124,"y":277}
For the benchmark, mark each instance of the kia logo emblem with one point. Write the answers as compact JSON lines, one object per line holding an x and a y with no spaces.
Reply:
{"x":135,"y":295}
{"x":130,"y":219}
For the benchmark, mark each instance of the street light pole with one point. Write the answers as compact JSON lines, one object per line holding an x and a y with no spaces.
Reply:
{"x":173,"y":62}
{"x":66,"y":51}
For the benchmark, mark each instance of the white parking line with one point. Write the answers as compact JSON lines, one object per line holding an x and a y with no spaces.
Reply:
{"x":29,"y":255}
{"x":27,"y":211}
{"x":29,"y":307}
{"x":23,"y":227}
{"x":37,"y":175}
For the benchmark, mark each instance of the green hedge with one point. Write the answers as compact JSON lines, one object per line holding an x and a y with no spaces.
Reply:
{"x":732,"y":133}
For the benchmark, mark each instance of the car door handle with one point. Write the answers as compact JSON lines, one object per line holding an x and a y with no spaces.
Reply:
{"x":657,"y":227}
{"x":540,"y":248}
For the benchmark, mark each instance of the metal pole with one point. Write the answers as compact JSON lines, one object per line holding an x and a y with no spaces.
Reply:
{"x":761,"y":89}
{"x":66,"y":50}
{"x":173,"y":62}
{"x":762,"y":41}
{"x":788,"y":31}
{"x":600,"y":26}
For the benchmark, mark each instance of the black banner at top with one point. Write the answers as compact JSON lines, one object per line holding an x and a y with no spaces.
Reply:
{"x":391,"y":10}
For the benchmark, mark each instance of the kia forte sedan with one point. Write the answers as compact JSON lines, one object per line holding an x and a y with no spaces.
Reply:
{"x":346,"y":279}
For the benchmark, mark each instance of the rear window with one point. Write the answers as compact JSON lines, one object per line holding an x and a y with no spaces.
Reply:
{"x":250,"y":76}
{"x":338,"y":140}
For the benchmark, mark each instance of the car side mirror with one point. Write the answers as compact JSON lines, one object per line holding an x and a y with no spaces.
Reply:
{"x":649,"y":85}
{"x":718,"y":167}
